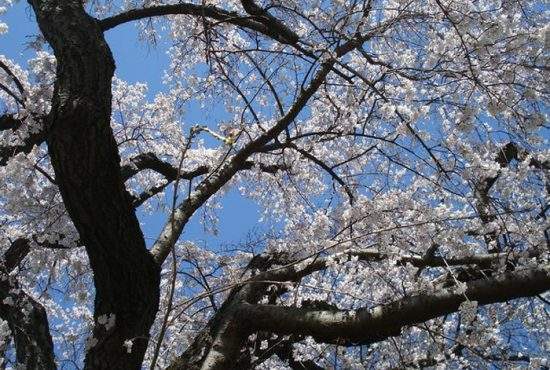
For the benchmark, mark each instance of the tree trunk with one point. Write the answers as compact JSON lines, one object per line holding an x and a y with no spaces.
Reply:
{"x":28,"y":323}
{"x":85,"y":158}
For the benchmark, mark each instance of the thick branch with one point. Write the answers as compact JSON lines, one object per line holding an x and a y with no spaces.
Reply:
{"x":16,"y":252}
{"x":20,"y":248}
{"x":8,"y":122}
{"x":296,"y":270}
{"x":269,"y":21}
{"x":368,"y":326}
{"x":217,"y":346}
{"x":28,"y":323}
{"x":149,"y":161}
{"x":209,"y":11}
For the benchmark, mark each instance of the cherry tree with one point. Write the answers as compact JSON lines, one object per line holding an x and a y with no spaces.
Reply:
{"x":398,"y":151}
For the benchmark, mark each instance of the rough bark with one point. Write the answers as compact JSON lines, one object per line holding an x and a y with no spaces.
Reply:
{"x":26,"y":317}
{"x":87,"y":165}
{"x":218,"y":345}
{"x":366,"y":326}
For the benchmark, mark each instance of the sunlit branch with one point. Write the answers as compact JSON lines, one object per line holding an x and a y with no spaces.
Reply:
{"x":365,"y":326}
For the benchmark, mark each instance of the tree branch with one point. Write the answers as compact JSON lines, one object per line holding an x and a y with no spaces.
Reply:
{"x":209,"y":186}
{"x":8,"y":122}
{"x":26,"y":317}
{"x":14,"y":78}
{"x":505,"y":155}
{"x":328,"y":169}
{"x":20,"y":248}
{"x":217,"y":346}
{"x":149,"y":161}
{"x":196,"y":10}
{"x":219,"y":342}
{"x":366,"y":326}
{"x":296,"y":270}
{"x":270,"y":21}
{"x":16,"y":252}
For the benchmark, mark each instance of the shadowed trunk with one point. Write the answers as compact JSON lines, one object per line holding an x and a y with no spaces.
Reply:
{"x":28,"y":323}
{"x":27,"y":318}
{"x":87,"y":166}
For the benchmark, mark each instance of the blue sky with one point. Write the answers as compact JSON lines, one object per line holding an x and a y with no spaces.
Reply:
{"x":138,"y":63}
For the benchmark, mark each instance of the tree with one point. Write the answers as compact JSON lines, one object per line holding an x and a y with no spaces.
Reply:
{"x":398,"y":149}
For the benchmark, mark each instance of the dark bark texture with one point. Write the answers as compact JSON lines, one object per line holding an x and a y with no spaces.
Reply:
{"x":87,"y":165}
{"x":28,"y":323}
{"x":27,"y":318}
{"x":8,"y":122}
{"x":365,"y":326}
{"x":86,"y":162}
